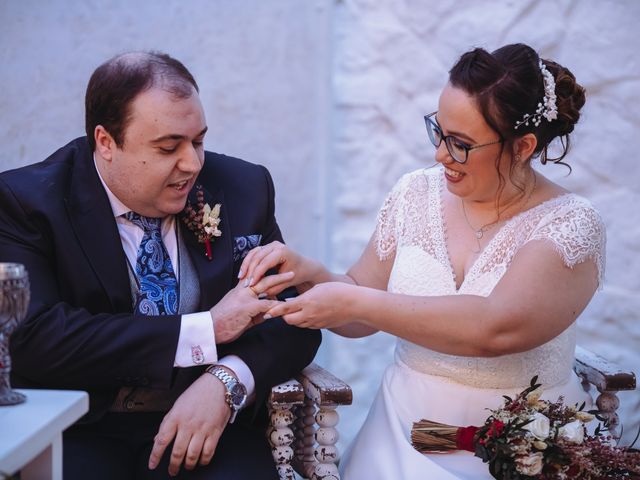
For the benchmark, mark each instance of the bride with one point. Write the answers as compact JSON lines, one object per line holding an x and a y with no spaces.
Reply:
{"x":480,"y":266}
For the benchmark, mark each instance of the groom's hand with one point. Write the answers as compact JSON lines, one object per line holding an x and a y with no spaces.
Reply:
{"x":194,"y":424}
{"x":239,"y":310}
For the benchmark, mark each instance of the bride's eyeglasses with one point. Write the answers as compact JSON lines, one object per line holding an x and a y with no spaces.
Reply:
{"x":458,"y":150}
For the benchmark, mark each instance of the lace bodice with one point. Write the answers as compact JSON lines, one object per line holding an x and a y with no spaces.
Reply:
{"x":410,"y":224}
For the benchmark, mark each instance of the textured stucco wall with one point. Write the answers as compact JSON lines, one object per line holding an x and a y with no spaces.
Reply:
{"x":391,"y":60}
{"x":274,"y":75}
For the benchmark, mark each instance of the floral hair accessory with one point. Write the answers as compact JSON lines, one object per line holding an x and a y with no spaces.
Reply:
{"x":533,"y":439}
{"x":204,"y":222}
{"x":547,"y":108}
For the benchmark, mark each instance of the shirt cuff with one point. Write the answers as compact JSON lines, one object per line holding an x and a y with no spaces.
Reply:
{"x":197,"y":342}
{"x":243,"y":373}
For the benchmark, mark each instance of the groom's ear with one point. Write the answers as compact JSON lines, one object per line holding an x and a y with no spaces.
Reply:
{"x":105,"y":144}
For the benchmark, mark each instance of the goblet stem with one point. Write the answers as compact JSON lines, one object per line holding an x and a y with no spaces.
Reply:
{"x":14,"y":298}
{"x":7,"y":396}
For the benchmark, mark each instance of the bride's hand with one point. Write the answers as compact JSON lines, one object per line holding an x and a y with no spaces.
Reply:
{"x":274,"y":255}
{"x":327,"y":305}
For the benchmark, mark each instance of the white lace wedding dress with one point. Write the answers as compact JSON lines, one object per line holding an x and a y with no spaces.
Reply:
{"x":422,"y":383}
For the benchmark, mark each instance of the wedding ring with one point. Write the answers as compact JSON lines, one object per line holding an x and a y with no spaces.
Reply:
{"x":254,"y":291}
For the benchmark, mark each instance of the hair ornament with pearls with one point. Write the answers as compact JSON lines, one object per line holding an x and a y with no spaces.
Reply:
{"x":547,"y":108}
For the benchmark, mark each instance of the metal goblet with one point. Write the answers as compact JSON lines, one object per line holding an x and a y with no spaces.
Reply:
{"x":14,"y":300}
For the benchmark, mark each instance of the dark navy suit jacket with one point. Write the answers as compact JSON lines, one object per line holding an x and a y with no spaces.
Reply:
{"x":79,"y":332}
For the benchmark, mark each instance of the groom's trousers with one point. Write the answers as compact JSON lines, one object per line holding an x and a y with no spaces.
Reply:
{"x":117,"y":447}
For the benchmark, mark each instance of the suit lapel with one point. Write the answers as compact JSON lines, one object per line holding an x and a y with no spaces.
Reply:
{"x":215,"y":275}
{"x":92,"y":221}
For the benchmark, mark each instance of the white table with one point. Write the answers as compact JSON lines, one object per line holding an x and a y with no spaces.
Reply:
{"x":31,"y":432}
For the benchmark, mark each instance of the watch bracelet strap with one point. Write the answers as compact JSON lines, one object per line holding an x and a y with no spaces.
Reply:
{"x":221,"y":374}
{"x":227,"y":380}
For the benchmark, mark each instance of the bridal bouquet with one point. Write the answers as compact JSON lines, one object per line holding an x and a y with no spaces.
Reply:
{"x":529,"y":438}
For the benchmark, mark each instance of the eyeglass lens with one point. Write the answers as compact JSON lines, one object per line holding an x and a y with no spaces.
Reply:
{"x":457,"y":151}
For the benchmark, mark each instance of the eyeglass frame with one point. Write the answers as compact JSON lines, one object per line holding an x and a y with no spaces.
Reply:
{"x":443,"y":138}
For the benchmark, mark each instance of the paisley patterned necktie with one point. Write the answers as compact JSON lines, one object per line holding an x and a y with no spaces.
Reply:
{"x":158,"y":293}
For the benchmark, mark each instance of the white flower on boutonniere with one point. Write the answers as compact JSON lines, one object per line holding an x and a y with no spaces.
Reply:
{"x":204,"y":222}
{"x":211,"y":219}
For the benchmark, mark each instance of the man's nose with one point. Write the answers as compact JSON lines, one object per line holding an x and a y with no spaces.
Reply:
{"x":192,"y":160}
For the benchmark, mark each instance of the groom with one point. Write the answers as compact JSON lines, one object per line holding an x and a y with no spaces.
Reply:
{"x":133,"y":300}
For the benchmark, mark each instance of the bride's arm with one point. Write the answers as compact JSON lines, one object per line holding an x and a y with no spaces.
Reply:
{"x":369,"y":271}
{"x":536,"y":299}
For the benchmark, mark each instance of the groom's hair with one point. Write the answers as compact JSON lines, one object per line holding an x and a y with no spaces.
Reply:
{"x":116,"y":83}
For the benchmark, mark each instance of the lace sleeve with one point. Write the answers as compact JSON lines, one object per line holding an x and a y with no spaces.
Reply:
{"x":389,"y":218}
{"x":577,"y":233}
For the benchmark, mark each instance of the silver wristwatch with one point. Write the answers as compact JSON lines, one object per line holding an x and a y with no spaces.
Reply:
{"x":236,"y":395}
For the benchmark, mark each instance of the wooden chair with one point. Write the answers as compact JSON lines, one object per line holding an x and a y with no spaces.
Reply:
{"x":303,"y":414}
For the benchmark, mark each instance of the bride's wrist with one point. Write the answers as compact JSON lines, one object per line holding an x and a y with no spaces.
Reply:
{"x":361,"y":304}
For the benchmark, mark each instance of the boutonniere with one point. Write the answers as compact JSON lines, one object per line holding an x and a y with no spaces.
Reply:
{"x":204,"y":221}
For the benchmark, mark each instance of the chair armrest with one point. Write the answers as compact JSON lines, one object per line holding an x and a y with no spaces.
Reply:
{"x":608,"y":379}
{"x":323,"y":387}
{"x":604,"y":375}
{"x":296,"y":407}
{"x":287,"y":393}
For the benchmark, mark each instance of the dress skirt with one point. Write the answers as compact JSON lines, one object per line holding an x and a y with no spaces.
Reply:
{"x":382,"y":449}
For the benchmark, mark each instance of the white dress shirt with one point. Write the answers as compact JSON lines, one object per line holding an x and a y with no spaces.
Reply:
{"x":196,"y":329}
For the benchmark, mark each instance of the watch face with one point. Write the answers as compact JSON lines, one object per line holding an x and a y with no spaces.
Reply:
{"x":238,"y":394}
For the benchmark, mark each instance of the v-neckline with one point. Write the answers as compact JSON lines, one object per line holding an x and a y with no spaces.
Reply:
{"x":442,"y":231}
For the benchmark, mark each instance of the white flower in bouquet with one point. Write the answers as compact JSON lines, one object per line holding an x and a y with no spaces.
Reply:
{"x":529,"y":464}
{"x":572,"y":432}
{"x":539,"y":426}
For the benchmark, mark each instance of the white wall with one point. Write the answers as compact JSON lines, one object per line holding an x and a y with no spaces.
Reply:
{"x":262,"y":68}
{"x":330,"y":96}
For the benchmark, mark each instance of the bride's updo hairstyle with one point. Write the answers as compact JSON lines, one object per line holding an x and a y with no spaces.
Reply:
{"x":510,"y":87}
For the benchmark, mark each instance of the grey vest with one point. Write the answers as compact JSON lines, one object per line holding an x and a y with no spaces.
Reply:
{"x":141,"y":399}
